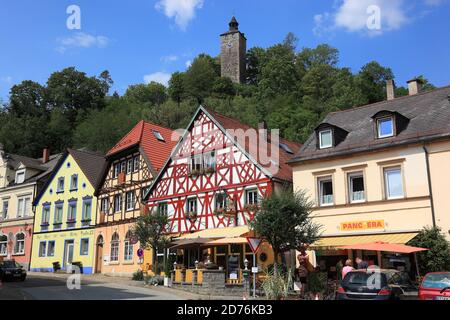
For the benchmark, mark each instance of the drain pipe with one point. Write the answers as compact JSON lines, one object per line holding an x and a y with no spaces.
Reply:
{"x":430,"y":188}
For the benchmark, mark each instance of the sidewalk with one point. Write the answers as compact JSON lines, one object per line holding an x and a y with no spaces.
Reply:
{"x":99,"y":278}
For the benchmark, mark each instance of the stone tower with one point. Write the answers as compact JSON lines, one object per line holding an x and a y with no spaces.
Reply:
{"x":233,"y":48}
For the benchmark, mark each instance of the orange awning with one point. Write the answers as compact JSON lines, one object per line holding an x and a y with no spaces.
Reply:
{"x":384,"y":246}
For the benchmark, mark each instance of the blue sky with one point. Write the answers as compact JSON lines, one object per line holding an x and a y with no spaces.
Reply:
{"x":143,"y":40}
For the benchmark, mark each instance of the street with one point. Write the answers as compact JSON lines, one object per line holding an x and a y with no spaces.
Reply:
{"x":54,"y":287}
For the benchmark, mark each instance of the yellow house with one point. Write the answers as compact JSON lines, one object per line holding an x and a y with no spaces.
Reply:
{"x":378,"y":173}
{"x":65,"y":214}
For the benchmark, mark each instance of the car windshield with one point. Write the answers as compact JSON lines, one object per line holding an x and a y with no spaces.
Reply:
{"x":436,"y":281}
{"x":365,"y":278}
{"x":8,"y":264}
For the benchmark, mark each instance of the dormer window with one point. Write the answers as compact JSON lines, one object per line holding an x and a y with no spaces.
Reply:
{"x":325,"y":139}
{"x":20,"y":176}
{"x":385,"y":127}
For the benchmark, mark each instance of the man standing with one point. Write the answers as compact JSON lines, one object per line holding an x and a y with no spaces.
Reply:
{"x":361,"y":264}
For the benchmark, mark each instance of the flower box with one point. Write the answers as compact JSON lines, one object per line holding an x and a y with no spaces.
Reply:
{"x":192,"y":216}
{"x":71,"y":220}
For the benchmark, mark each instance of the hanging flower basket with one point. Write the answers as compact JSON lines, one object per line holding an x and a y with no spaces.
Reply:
{"x":252,"y":207}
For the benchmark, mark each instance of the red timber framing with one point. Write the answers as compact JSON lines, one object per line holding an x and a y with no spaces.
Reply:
{"x":232,"y":175}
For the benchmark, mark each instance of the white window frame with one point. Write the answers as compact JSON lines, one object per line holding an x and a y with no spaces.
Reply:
{"x":87,"y":204}
{"x":129,"y":203}
{"x":129,"y":166}
{"x":74,"y":182}
{"x":123,"y":166}
{"x":116,"y":170}
{"x":386,"y":170}
{"x":105,"y":203}
{"x":253,"y":200}
{"x":321,"y":146}
{"x":220,"y":204}
{"x":189,"y":202}
{"x":117,"y":208}
{"x":320,"y":182}
{"x":60,"y":188}
{"x":51,"y":254}
{"x":115,"y":246}
{"x":209,"y":160}
{"x":42,"y":253}
{"x":3,"y":245}
{"x":4,"y":215}
{"x":45,"y":215}
{"x":59,"y":213}
{"x":350,"y":177}
{"x":380,"y":136}
{"x":72,"y":208}
{"x":86,"y":241}
{"x":22,"y":211}
{"x":21,"y":246}
{"x":136,"y":163}
{"x":128,"y":248}
{"x":20,"y":173}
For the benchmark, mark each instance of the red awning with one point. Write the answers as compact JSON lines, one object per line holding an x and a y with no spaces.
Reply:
{"x":384,"y":246}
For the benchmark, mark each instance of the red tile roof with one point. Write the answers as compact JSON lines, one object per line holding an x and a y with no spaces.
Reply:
{"x":285,"y":170}
{"x":143,"y":135}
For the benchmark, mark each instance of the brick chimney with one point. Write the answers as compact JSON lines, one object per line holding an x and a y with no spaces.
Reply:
{"x":45,"y":155}
{"x":390,"y":89}
{"x":414,"y":86}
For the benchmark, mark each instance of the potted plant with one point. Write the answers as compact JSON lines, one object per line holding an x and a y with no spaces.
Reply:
{"x":219,"y":212}
{"x":195,"y":172}
{"x":209,"y":170}
{"x":251,"y":207}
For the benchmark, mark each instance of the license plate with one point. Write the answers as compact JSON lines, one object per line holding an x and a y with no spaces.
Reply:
{"x":441,"y":298}
{"x":17,"y":275}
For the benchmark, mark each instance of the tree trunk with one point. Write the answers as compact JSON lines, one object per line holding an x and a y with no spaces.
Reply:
{"x":275,"y":262}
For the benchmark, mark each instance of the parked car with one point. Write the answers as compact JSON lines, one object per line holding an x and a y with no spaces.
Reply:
{"x":376,"y":284}
{"x":435,"y":286}
{"x":11,"y":270}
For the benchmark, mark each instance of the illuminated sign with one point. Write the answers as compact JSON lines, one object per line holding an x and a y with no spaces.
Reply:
{"x":362,"y":225}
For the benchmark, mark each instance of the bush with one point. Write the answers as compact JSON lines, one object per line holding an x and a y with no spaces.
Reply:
{"x":138,"y":275}
{"x":438,"y":257}
{"x":317,"y":282}
{"x":276,"y":285}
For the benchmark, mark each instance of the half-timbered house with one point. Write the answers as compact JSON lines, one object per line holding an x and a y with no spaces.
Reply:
{"x":132,"y":164}
{"x":214,"y":180}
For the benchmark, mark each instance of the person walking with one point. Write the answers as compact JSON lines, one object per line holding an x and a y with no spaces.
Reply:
{"x":302,"y":270}
{"x":348,"y":267}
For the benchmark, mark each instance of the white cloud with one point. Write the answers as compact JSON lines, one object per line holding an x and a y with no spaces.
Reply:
{"x":6,"y":79}
{"x":357,"y":15}
{"x":169,"y":58}
{"x":353,"y":14}
{"x":188,"y":63}
{"x":183,"y":11}
{"x":160,"y":77}
{"x":81,"y":40}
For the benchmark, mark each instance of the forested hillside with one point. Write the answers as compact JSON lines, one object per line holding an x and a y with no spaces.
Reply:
{"x":289,"y":88}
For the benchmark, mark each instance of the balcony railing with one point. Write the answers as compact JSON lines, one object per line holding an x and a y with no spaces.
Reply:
{"x":357,"y":196}
{"x":326,"y":199}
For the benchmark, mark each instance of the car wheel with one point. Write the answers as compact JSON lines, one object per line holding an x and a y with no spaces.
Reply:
{"x":22,"y":279}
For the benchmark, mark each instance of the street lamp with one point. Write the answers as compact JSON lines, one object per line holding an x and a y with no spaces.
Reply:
{"x":246,"y":264}
{"x":196,"y":264}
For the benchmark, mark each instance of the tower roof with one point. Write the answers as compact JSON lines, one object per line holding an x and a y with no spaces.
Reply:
{"x":234,"y":25}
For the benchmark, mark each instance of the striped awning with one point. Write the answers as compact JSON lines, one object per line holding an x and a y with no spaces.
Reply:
{"x":337,"y":242}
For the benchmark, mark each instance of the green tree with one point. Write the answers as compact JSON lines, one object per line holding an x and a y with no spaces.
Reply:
{"x":27,"y":98}
{"x":223,"y":88}
{"x":437,"y":258}
{"x":285,"y":221}
{"x":177,"y":90}
{"x":150,"y":230}
{"x":372,"y":81}
{"x":255,"y":59}
{"x":153,"y":93}
{"x":200,"y":77}
{"x":73,"y":91}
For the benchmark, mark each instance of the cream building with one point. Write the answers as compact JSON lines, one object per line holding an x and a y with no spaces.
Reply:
{"x":379,"y":172}
{"x":20,"y":180}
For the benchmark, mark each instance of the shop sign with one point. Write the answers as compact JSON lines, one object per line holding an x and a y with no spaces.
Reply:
{"x":362,"y":225}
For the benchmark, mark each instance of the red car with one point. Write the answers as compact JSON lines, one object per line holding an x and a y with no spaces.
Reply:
{"x":435,"y":286}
